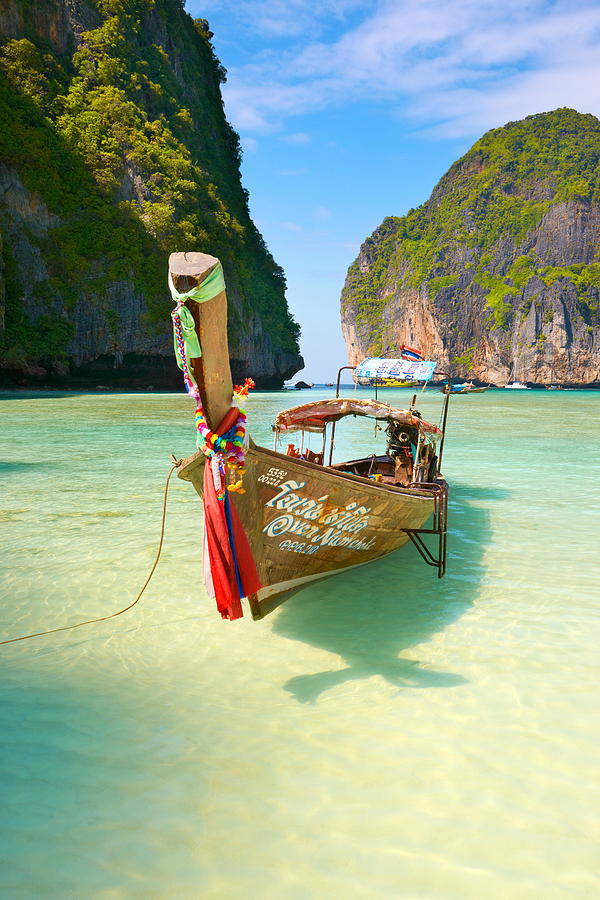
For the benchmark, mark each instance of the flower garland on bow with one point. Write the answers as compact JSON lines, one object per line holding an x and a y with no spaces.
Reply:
{"x":226,"y":451}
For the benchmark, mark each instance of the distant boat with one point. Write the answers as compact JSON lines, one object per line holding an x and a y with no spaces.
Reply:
{"x":467,"y":388}
{"x":516,"y":386}
{"x":387,"y":382}
{"x":554,"y":387}
{"x":379,"y":371}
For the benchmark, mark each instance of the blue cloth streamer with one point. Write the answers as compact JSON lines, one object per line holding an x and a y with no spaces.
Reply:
{"x":232,"y":544}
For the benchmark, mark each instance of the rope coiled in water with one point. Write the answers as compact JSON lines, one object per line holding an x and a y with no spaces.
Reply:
{"x":25,"y":637}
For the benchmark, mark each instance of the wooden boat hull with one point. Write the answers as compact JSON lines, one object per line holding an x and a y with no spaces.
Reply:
{"x":305,"y":522}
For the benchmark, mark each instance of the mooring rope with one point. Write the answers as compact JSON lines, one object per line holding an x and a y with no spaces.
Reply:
{"x":25,"y":637}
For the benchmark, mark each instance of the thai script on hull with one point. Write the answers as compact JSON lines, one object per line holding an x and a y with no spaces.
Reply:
{"x":305,"y":517}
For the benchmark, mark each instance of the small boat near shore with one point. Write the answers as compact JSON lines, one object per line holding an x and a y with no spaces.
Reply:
{"x":394,"y":383}
{"x":409,"y":370}
{"x":516,"y":386}
{"x":466,"y":388}
{"x":275,"y":521}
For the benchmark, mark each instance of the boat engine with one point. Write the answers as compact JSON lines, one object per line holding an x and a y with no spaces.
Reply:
{"x":402,"y":442}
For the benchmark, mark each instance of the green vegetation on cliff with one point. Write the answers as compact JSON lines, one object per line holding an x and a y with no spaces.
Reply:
{"x":125,"y":139}
{"x":474,"y":229}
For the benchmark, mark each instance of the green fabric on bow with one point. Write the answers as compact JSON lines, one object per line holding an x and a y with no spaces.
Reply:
{"x":212,"y":285}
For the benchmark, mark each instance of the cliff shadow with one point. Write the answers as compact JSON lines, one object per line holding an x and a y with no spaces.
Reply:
{"x":36,"y":394}
{"x":369,"y":615}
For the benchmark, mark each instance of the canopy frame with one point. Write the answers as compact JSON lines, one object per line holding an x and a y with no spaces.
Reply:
{"x":314,"y":418}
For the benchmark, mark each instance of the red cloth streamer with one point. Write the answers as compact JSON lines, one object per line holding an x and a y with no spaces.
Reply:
{"x":222,"y":566}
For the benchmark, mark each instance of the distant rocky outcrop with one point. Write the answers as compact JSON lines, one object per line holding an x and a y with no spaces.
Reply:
{"x":497,"y":275}
{"x":114,"y":152}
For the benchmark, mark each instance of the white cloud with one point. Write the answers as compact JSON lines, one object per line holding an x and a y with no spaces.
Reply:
{"x":249,"y":143}
{"x":298,"y":138}
{"x":454,"y":67}
{"x":285,"y":19}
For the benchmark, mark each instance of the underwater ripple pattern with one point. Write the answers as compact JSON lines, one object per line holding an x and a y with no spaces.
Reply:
{"x":383,"y":734}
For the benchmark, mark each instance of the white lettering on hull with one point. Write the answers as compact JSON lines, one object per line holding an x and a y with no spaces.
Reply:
{"x":305,"y":517}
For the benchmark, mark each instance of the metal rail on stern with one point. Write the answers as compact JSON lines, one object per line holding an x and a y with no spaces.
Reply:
{"x":440,"y":527}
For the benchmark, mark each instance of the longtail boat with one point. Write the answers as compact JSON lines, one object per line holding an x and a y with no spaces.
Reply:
{"x":275,"y":521}
{"x":466,"y":388}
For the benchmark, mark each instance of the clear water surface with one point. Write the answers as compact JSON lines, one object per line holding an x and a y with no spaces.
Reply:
{"x":383,"y":734}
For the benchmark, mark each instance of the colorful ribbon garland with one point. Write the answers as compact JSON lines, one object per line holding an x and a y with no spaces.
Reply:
{"x":231,"y":445}
{"x":213,"y":284}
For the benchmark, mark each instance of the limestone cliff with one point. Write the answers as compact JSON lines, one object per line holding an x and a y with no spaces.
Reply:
{"x":497,"y":275}
{"x":114,"y":152}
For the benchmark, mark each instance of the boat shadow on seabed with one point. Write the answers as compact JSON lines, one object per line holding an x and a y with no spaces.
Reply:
{"x":369,"y":615}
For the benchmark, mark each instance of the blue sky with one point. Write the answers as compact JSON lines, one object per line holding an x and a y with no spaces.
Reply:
{"x":350,"y":111}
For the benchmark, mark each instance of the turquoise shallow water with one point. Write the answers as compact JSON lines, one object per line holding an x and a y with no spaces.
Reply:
{"x":382,"y":734}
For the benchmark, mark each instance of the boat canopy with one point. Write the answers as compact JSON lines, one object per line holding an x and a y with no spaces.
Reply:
{"x":315,"y":416}
{"x":378,"y":367}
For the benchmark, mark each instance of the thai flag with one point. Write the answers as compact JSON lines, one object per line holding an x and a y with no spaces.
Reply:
{"x":410,"y":353}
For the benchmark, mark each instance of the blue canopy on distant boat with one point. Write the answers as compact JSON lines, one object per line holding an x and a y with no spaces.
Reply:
{"x":401,"y":369}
